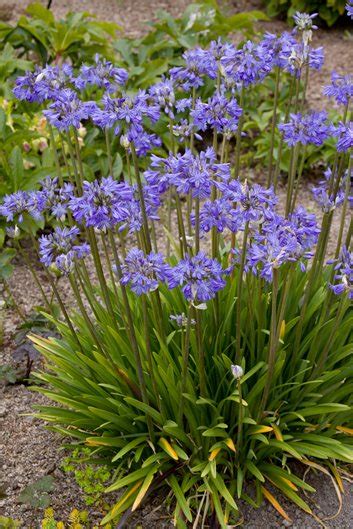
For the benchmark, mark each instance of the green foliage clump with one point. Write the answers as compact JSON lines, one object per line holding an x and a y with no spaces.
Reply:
{"x":90,"y":476}
{"x":329,"y":10}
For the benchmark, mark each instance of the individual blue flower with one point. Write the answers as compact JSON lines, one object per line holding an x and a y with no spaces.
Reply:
{"x":249,"y":65}
{"x":44,"y":83}
{"x":102,"y":74}
{"x":343,"y":278}
{"x":253,"y":202}
{"x":344,"y":132}
{"x":304,"y":21}
{"x":219,"y":113}
{"x":143,"y":273}
{"x":219,"y":214}
{"x":341,"y":88}
{"x":198,"y":63}
{"x":198,"y":173}
{"x":126,"y":110}
{"x":68,"y":110}
{"x":280,"y":47}
{"x":14,"y":206}
{"x":294,"y":57}
{"x":313,"y":127}
{"x":271,"y":248}
{"x":62,"y":248}
{"x":162,"y":94}
{"x":183,"y":130}
{"x":306,"y":229}
{"x":325,"y":197}
{"x":199,"y":276}
{"x":103,"y":203}
{"x":51,"y":198}
{"x":143,"y":141}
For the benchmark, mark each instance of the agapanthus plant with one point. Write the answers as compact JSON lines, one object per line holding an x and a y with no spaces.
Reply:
{"x":209,"y":355}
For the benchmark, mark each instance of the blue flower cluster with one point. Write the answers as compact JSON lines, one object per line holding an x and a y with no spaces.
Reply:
{"x":62,"y":249}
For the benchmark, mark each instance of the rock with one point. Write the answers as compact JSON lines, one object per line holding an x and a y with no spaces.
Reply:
{"x":2,"y":411}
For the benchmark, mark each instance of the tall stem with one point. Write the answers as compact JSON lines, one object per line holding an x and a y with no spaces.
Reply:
{"x":273,"y":127}
{"x":239,"y":131}
{"x":272,"y":344}
{"x":185,"y":362}
{"x":239,"y":295}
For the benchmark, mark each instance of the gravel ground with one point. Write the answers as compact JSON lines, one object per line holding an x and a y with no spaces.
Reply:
{"x":27,"y":450}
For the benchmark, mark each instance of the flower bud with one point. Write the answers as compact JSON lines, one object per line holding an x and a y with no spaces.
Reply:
{"x":13,"y":232}
{"x":237,"y":371}
{"x":124,"y":141}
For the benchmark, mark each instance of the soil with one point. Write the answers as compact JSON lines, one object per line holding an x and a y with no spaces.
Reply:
{"x":28,"y":451}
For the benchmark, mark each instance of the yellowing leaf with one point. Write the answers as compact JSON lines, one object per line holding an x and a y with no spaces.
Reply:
{"x":114,"y":511}
{"x":214,"y":454}
{"x":145,"y":486}
{"x":261,"y":429}
{"x":282,"y":330}
{"x":167,"y":447}
{"x":275,"y":503}
{"x":230,"y":444}
{"x":277,"y":432}
{"x":345,"y":429}
{"x":289,"y":483}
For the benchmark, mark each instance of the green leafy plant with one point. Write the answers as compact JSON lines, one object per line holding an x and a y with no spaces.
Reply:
{"x":78,"y":36}
{"x":329,"y":10}
{"x":9,"y":523}
{"x":36,"y":494}
{"x":76,"y":520}
{"x":91,"y":476}
{"x":8,"y":374}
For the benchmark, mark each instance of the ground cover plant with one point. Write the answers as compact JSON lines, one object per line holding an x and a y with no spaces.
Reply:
{"x":209,"y":358}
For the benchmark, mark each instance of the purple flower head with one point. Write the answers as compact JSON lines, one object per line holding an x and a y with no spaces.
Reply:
{"x":343,"y":279}
{"x":198,"y":63}
{"x":280,"y":47}
{"x":184,"y":129}
{"x":103,"y":74}
{"x":220,"y":214}
{"x":219,"y":113}
{"x":181,"y":319}
{"x":313,"y":127}
{"x":61,"y":249}
{"x":103,"y":203}
{"x":218,"y":49}
{"x":143,"y":273}
{"x":199,"y":173}
{"x":252,"y":63}
{"x":142,"y":140}
{"x":43,"y":84}
{"x":294,"y":57}
{"x":14,"y":206}
{"x":306,"y":229}
{"x":162,"y":172}
{"x":349,"y":8}
{"x":162,"y":95}
{"x":344,"y":132}
{"x":253,"y":202}
{"x":125,"y":110}
{"x":51,"y":198}
{"x":277,"y":244}
{"x":341,"y":88}
{"x":324,"y":197}
{"x":68,"y":110}
{"x":304,"y":21}
{"x":200,"y":277}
